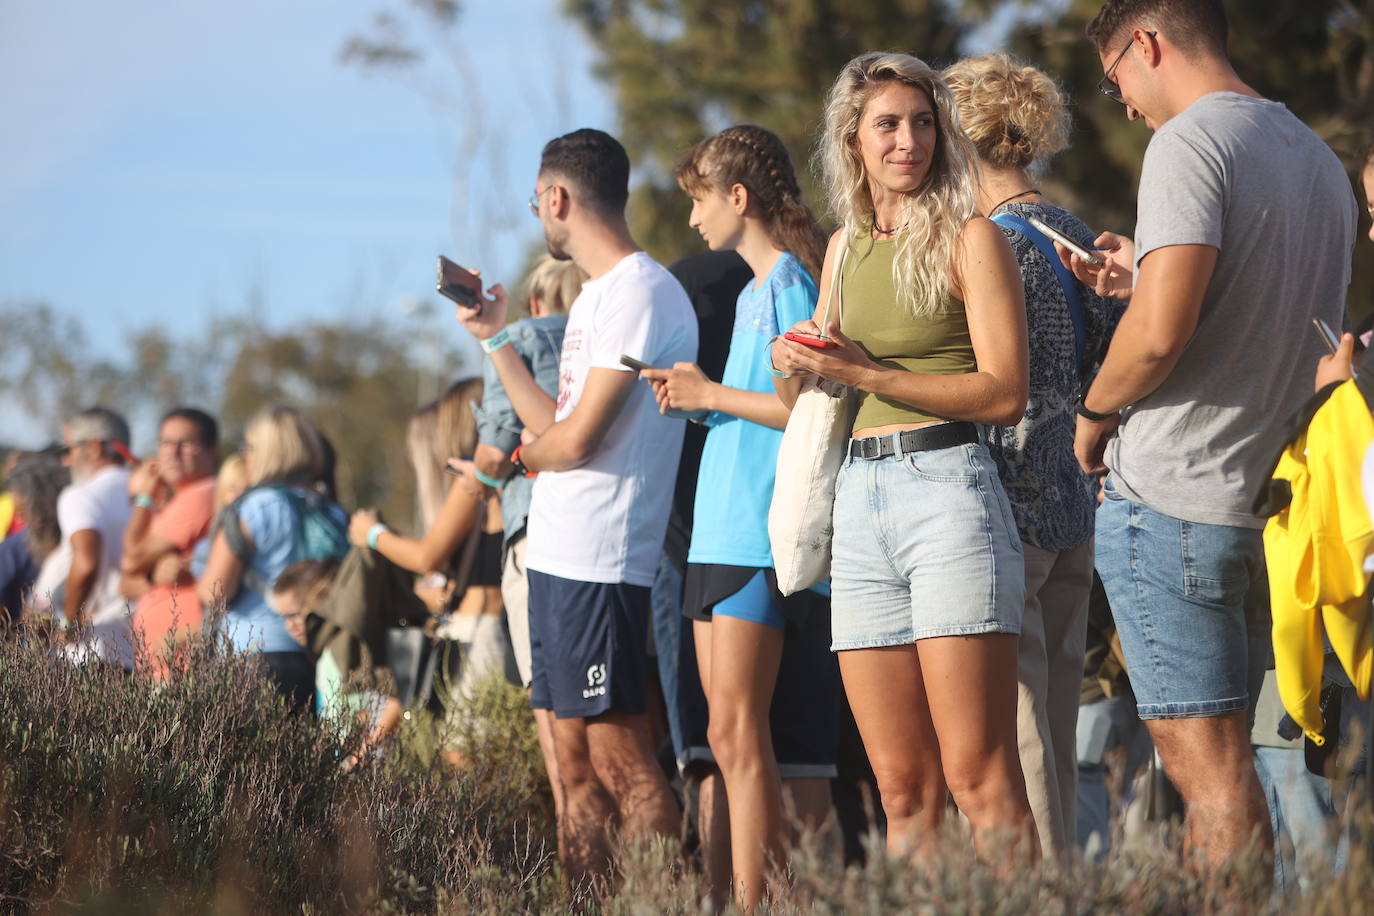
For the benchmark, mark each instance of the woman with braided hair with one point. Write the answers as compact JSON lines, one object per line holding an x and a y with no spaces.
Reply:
{"x":745,"y":198}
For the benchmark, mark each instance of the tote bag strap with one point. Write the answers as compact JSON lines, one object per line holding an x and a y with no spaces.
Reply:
{"x":836,"y":297}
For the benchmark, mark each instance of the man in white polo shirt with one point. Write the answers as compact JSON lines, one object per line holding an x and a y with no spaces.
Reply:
{"x":606,"y":461}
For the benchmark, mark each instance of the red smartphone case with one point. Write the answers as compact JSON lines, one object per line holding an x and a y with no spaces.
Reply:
{"x":820,"y":343}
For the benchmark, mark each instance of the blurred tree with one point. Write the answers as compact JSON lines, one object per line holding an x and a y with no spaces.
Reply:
{"x":1315,"y":56}
{"x":356,"y":380}
{"x":420,"y":44}
{"x":683,"y":69}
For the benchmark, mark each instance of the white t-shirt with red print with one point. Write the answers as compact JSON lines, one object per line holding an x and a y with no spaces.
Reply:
{"x":605,"y":521}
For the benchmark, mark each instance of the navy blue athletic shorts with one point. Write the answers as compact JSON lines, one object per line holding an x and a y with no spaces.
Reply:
{"x":588,"y":646}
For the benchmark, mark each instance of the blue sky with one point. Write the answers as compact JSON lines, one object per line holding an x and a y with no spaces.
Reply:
{"x":159,"y":160}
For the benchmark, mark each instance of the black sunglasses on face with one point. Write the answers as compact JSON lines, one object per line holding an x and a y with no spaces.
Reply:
{"x":1107,"y":85}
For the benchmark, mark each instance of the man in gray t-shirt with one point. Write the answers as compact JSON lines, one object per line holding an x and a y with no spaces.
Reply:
{"x":1244,"y":232}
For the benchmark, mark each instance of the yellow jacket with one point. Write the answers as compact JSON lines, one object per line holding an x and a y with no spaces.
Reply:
{"x":1315,"y":547}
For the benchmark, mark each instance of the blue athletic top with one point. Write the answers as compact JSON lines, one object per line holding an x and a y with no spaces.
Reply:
{"x":735,"y":484}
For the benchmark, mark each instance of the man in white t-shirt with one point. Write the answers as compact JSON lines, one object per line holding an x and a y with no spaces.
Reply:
{"x":92,"y":513}
{"x":607,"y":461}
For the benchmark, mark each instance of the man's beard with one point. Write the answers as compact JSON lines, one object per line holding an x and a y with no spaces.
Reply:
{"x":556,"y":249}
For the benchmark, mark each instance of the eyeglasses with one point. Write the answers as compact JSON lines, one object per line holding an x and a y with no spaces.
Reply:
{"x":1107,"y":85}
{"x":536,"y":197}
{"x":181,"y":445}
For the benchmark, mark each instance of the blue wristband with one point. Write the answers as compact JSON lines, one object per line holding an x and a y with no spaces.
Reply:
{"x":144,"y":501}
{"x":488,"y":479}
{"x":373,"y":533}
{"x":497,"y":340}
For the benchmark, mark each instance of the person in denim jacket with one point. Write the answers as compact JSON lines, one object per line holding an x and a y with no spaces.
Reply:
{"x":553,"y":285}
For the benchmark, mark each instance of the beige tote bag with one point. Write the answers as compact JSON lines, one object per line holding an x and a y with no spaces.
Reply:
{"x":800,"y":519}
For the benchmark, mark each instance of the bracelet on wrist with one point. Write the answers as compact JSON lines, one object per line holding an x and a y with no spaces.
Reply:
{"x":1082,"y":410}
{"x":520,"y":465}
{"x":144,"y":501}
{"x":773,"y":370}
{"x":496,"y":341}
{"x":488,"y":479}
{"x":375,"y":532}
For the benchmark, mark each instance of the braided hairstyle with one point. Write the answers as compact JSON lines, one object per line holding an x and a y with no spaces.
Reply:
{"x":756,"y":158}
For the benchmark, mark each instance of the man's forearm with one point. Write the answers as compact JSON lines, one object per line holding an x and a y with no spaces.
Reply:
{"x":560,"y":448}
{"x":1137,"y":363}
{"x":532,"y":404}
{"x":135,"y":559}
{"x":80,"y":584}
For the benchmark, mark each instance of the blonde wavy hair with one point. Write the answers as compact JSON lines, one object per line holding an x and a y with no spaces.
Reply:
{"x":934,"y":214}
{"x":1014,"y":114}
{"x":555,"y":284}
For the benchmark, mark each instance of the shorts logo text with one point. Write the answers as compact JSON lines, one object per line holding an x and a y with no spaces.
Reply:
{"x":596,"y":682}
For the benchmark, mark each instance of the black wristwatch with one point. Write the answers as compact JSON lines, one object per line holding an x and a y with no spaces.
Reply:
{"x":1082,"y":410}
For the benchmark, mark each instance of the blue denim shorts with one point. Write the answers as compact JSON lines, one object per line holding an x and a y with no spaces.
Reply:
{"x":924,"y":546}
{"x":1191,"y":605}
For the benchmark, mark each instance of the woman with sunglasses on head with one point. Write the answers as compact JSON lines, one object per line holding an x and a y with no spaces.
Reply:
{"x":1016,"y":118}
{"x":745,"y":198}
{"x":927,"y":577}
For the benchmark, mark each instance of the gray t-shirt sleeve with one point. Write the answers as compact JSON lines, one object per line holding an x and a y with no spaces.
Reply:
{"x":1182,"y":196}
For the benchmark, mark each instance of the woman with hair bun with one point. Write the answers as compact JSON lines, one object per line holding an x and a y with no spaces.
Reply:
{"x":1016,"y":118}
{"x":927,"y":582}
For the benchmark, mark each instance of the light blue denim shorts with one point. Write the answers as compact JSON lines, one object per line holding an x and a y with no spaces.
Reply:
{"x":924,"y":546}
{"x":1191,"y":605}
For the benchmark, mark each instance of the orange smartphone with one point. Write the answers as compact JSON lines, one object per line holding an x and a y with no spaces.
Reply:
{"x":811,"y":340}
{"x":459,"y":284}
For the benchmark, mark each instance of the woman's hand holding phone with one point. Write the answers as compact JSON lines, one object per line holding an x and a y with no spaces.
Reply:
{"x":1115,"y":279}
{"x":845,"y":362}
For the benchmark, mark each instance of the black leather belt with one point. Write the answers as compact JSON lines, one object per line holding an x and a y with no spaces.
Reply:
{"x":945,"y":435}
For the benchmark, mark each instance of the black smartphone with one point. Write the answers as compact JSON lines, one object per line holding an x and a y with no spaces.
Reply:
{"x":632,"y":363}
{"x":459,"y":284}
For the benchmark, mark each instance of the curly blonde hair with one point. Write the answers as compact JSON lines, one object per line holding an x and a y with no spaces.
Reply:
{"x":1014,"y":114}
{"x":934,"y":214}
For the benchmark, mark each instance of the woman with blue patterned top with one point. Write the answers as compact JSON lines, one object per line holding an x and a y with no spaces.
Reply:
{"x":1016,"y":118}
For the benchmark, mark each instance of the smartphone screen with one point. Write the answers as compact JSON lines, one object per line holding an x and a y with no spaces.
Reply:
{"x":459,"y":284}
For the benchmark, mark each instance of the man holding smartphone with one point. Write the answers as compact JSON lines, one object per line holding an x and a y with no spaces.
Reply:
{"x":605,"y":459}
{"x":1244,"y":232}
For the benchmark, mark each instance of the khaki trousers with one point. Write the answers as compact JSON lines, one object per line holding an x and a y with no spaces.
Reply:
{"x":1050,"y":673}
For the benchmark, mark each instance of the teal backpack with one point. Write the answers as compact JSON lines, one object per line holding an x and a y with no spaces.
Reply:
{"x":318,"y":534}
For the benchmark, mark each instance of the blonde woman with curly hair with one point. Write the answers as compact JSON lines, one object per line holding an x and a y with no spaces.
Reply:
{"x":927,"y":578}
{"x":1016,"y":117}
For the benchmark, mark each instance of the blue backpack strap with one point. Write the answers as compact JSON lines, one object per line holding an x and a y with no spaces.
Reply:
{"x":1066,"y":280}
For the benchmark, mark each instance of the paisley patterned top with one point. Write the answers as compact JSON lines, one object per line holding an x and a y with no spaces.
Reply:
{"x":1052,"y":500}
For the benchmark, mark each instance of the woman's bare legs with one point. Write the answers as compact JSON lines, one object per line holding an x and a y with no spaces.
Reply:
{"x":739,"y":677}
{"x":937,"y":716}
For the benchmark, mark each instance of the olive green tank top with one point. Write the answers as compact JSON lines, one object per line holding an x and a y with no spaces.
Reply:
{"x":892,"y":337}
